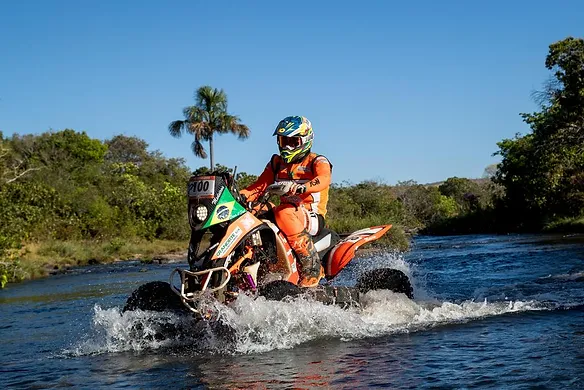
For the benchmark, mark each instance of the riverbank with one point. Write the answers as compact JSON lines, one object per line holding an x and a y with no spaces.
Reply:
{"x":489,"y":222}
{"x":565,"y":225}
{"x":38,"y":260}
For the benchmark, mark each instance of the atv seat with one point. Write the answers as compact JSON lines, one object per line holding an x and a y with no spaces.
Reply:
{"x":324,"y":241}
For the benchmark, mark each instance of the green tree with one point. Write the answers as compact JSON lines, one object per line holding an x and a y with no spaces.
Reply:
{"x":424,"y":204}
{"x":12,"y":168}
{"x":465,"y":192}
{"x":124,"y":149}
{"x":207,"y":117}
{"x":542,"y":172}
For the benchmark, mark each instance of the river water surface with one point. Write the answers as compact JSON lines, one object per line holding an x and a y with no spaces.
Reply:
{"x":489,"y":312}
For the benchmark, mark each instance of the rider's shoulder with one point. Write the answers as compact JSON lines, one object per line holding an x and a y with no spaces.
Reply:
{"x":319,"y":158}
{"x":275,"y":159}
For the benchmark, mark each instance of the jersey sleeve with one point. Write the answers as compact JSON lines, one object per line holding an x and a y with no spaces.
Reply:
{"x":257,"y":188}
{"x":323,"y":171}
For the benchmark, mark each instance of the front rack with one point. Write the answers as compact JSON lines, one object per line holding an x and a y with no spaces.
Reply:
{"x":189,"y":298}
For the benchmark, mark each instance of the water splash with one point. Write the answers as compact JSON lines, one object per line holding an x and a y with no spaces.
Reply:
{"x":257,"y":325}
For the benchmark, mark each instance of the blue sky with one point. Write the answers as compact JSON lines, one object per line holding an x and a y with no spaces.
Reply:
{"x":419,"y":90}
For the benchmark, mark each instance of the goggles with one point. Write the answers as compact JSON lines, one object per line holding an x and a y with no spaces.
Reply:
{"x":289,"y":142}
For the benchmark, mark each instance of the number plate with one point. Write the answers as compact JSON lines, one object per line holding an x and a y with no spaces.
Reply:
{"x":201,"y":188}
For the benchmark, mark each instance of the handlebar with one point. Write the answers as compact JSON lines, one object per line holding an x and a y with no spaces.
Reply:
{"x":278,"y":189}
{"x":283,"y":187}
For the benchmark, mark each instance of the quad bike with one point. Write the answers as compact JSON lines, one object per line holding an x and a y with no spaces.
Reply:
{"x":247,"y":253}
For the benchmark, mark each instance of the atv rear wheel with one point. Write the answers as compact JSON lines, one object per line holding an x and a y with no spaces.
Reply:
{"x":385,"y":279}
{"x":279,"y":289}
{"x":154,"y":296}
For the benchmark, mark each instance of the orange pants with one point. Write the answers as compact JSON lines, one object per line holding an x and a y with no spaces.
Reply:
{"x":299,"y":225}
{"x":293,"y":220}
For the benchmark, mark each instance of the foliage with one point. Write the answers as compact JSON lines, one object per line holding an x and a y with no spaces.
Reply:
{"x":469,"y":195}
{"x":87,"y":190}
{"x":243,"y":179}
{"x":543,"y":172}
{"x":207,"y":117}
{"x":490,"y":171}
{"x":566,"y":225}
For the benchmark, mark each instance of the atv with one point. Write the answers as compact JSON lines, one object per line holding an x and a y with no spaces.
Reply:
{"x":236,"y":248}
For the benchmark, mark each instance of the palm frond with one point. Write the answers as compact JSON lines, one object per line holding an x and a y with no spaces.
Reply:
{"x":195,"y":114}
{"x":212,"y":100}
{"x":175,"y":128}
{"x":201,"y":130}
{"x":242,"y":131}
{"x":198,"y":149}
{"x":231,"y":124}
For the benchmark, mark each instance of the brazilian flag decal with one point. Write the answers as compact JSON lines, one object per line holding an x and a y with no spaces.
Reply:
{"x":227,"y":208}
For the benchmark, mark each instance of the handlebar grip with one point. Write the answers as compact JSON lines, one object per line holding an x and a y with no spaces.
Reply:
{"x":301,"y":189}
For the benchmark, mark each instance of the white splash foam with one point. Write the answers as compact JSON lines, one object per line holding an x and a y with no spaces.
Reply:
{"x":266,"y":325}
{"x":113,"y":331}
{"x":259,"y":325}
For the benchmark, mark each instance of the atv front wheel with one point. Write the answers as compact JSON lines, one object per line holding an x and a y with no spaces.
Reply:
{"x":385,"y":279}
{"x":154,"y":296}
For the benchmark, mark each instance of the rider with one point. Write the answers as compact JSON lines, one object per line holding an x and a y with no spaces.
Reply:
{"x":301,"y":212}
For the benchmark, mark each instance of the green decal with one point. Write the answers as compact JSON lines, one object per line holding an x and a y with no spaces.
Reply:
{"x":226,"y":209}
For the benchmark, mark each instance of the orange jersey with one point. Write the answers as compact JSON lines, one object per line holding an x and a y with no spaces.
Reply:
{"x":314,"y":171}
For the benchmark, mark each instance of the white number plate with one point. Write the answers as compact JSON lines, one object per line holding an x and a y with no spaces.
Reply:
{"x":202,"y":188}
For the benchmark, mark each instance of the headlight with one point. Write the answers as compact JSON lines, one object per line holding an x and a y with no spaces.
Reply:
{"x":201,"y":213}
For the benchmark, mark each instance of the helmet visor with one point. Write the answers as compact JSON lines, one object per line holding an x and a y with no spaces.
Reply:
{"x":289,"y":142}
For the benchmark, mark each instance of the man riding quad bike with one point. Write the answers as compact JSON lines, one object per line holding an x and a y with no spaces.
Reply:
{"x":270,"y":251}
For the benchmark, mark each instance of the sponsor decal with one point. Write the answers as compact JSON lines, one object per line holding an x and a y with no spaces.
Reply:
{"x":247,"y":221}
{"x":229,"y":242}
{"x":216,"y":198}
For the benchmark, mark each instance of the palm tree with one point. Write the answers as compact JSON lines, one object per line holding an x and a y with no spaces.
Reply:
{"x":207,"y":117}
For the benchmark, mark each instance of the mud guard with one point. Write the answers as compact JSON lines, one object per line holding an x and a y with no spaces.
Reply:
{"x":344,"y":251}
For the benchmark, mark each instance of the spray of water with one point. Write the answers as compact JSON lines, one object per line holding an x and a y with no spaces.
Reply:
{"x":258,"y":325}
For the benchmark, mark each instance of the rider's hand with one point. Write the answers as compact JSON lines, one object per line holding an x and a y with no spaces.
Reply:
{"x":296,"y":188}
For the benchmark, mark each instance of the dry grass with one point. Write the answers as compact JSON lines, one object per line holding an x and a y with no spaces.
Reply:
{"x":39,"y":259}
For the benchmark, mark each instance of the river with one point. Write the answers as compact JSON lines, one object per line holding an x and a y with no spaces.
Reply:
{"x":489,"y":312}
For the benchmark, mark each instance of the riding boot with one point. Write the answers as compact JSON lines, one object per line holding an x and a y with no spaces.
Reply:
{"x":310,"y":269}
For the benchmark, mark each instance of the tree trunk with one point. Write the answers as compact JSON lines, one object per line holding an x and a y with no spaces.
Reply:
{"x":211,"y":153}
